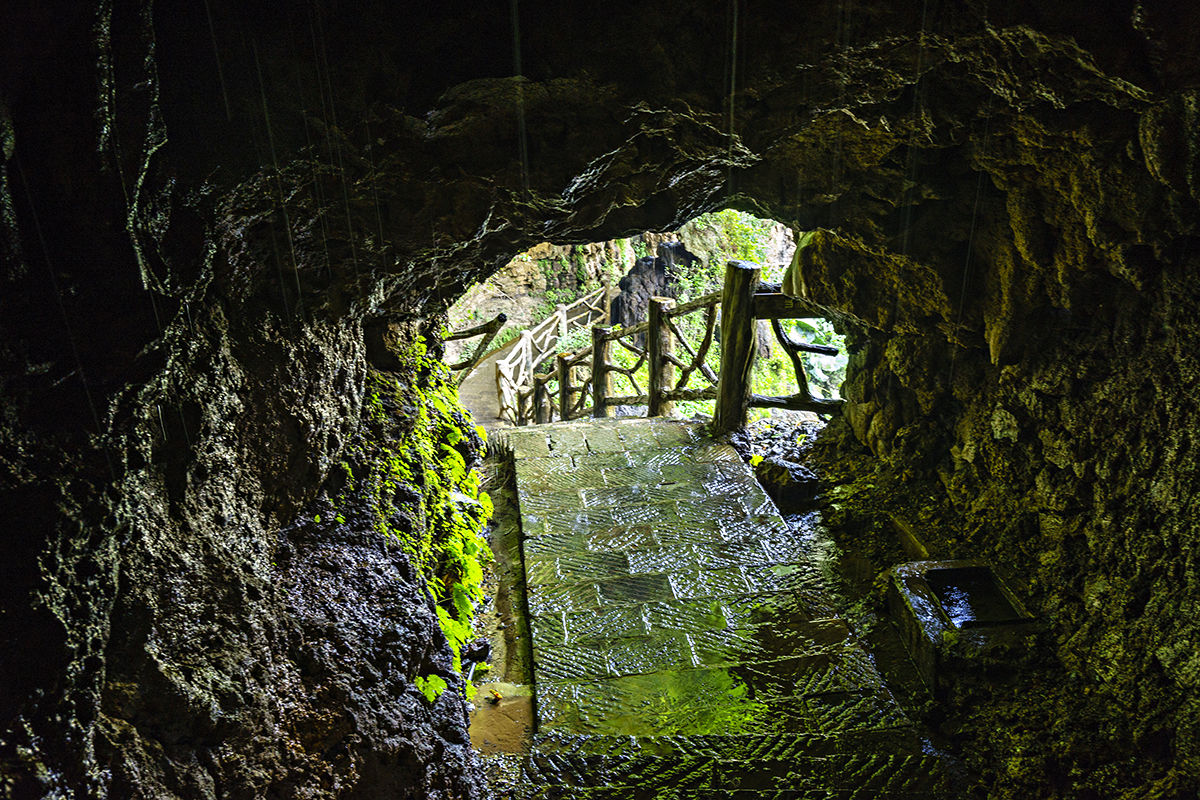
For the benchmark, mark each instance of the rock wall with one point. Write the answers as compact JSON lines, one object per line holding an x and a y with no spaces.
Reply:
{"x":205,"y":205}
{"x":524,"y":287}
{"x":656,"y":276}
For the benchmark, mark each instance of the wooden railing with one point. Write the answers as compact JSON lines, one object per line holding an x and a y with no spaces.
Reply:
{"x":585,"y":382}
{"x":742,"y":305}
{"x":516,"y":371}
{"x":488,"y":331}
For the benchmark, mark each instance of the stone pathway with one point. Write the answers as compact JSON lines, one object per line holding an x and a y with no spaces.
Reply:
{"x":684,"y":645}
{"x":478,"y":393}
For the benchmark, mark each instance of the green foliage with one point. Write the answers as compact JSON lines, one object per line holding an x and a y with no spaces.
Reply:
{"x":825,"y":373}
{"x":745,"y":235}
{"x":506,"y":335}
{"x":552,"y":299}
{"x":431,"y":686}
{"x":575,"y":340}
{"x":732,"y":235}
{"x":579,"y":260}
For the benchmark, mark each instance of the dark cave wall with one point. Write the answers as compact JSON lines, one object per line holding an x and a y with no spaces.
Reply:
{"x":1028,"y":338}
{"x":186,"y":286}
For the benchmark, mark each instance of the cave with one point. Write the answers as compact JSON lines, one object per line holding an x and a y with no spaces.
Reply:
{"x":231,"y":232}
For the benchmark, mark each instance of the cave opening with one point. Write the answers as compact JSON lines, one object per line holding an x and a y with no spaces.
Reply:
{"x":244,"y":516}
{"x":619,"y":278}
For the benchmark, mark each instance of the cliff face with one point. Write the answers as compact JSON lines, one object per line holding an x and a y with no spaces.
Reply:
{"x":205,"y":208}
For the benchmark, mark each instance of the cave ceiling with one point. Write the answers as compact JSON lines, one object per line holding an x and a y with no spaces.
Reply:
{"x":383,"y":157}
{"x":201,"y":204}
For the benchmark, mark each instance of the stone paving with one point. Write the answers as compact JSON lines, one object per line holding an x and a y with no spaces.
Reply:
{"x":684,"y":644}
{"x":478,"y":393}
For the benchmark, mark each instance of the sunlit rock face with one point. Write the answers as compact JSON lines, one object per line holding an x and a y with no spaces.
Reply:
{"x":203,"y":203}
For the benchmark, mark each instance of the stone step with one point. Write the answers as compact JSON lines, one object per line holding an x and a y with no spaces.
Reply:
{"x":807,"y":667}
{"x":903,"y":740}
{"x":914,"y":774}
{"x":628,"y":793}
{"x":685,"y":645}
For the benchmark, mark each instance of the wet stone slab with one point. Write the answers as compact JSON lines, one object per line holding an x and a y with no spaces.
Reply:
{"x":684,"y":640}
{"x":605,"y":440}
{"x":606,"y":623}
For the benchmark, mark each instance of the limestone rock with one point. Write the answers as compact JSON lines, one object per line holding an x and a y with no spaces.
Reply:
{"x":789,"y":484}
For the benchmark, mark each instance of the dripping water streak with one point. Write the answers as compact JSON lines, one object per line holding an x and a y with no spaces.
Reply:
{"x":287,"y":308}
{"x":962,"y":293}
{"x":330,"y":123}
{"x":212,"y":32}
{"x":522,"y":133}
{"x":319,"y":202}
{"x":183,"y":423}
{"x":910,"y":173}
{"x":842,"y":34}
{"x":113,"y":139}
{"x":62,"y":308}
{"x":733,"y":56}
{"x":375,"y":188}
{"x":287,"y":223}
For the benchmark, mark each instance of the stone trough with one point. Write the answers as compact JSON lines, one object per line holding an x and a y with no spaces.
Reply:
{"x":954,"y":612}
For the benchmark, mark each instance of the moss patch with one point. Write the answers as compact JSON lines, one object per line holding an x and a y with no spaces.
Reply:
{"x":409,"y":477}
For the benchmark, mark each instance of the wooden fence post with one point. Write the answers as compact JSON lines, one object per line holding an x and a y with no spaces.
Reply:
{"x":561,"y":312}
{"x":610,"y":294}
{"x":660,"y":345}
{"x":739,"y":342}
{"x":539,"y":402}
{"x":527,"y":347}
{"x":564,"y":386}
{"x":601,"y":377}
{"x":503,"y":376}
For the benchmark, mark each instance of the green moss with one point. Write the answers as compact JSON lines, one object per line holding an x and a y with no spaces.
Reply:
{"x":409,"y":477}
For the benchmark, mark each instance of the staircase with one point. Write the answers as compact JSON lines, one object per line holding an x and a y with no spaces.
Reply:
{"x":684,"y":642}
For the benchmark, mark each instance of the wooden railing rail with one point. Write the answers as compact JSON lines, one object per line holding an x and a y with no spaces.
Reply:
{"x":742,"y":305}
{"x":488,"y":331}
{"x":517,"y":371}
{"x":584,"y":382}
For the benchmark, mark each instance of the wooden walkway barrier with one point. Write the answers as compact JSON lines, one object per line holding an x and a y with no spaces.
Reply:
{"x":584,"y":383}
{"x":488,"y":331}
{"x":516,"y":377}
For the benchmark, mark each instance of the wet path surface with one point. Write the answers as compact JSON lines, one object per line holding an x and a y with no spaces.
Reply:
{"x":478,"y":393}
{"x":684,"y":644}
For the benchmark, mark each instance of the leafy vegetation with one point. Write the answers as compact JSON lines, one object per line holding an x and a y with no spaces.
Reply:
{"x":716,"y":238}
{"x":431,"y":686}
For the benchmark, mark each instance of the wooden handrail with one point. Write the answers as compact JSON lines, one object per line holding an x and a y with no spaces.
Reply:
{"x":485,"y":327}
{"x":742,"y":302}
{"x":741,"y":308}
{"x":488,"y":330}
{"x":627,"y":333}
{"x":693,"y":305}
{"x":539,"y":344}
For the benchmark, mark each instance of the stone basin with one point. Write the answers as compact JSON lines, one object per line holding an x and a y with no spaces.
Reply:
{"x":954,"y":613}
